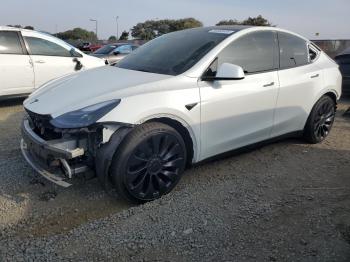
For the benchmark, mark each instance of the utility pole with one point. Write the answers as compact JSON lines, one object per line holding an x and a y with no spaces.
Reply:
{"x":94,"y":20}
{"x":116,"y":19}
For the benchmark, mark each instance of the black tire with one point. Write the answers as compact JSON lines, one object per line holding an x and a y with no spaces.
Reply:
{"x":149,"y":163}
{"x":320,"y":120}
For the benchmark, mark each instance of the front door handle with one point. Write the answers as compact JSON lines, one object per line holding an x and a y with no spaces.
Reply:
{"x":271,"y":84}
{"x":40,"y":62}
{"x":314,"y":76}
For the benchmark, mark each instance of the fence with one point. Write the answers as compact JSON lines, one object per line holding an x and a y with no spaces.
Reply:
{"x":333,"y":47}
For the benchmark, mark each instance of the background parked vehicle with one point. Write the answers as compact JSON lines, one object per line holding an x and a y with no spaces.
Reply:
{"x":343,"y":59}
{"x":113,"y":53}
{"x":87,"y":47}
{"x":29,"y":59}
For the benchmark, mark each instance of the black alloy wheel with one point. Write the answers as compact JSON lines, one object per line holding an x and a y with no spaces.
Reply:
{"x":320,"y":120}
{"x":324,"y":120}
{"x":150,"y":163}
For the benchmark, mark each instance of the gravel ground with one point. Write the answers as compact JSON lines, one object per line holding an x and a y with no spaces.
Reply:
{"x":287,"y":201}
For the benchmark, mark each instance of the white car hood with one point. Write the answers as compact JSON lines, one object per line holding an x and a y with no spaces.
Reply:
{"x":87,"y":88}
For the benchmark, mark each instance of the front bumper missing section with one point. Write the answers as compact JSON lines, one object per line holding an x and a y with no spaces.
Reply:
{"x":41,"y":170}
{"x":38,"y":151}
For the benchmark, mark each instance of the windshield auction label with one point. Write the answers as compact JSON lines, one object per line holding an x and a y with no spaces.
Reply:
{"x":226,"y":32}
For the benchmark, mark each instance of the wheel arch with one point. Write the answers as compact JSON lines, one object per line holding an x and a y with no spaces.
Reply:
{"x":329,"y":92}
{"x":184,"y":130}
{"x":332,"y":95}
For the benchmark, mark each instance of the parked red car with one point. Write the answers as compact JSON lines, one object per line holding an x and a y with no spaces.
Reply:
{"x":89,"y":47}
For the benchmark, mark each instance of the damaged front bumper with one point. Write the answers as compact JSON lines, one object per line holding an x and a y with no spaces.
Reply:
{"x":60,"y":155}
{"x":53,"y":159}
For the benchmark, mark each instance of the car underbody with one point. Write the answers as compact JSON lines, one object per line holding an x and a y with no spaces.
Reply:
{"x":61,"y":154}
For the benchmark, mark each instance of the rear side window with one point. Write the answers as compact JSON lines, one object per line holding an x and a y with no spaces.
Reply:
{"x":43,"y":47}
{"x":255,"y":52}
{"x":10,"y":43}
{"x":293,"y":51}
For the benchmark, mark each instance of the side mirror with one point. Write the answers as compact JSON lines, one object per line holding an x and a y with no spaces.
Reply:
{"x":78,"y":64}
{"x":116,"y":53}
{"x":227,"y":71}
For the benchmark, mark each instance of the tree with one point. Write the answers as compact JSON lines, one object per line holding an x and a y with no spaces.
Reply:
{"x":229,"y":22}
{"x":16,"y":26}
{"x":124,"y":36}
{"x":112,"y":38}
{"x":255,"y":21}
{"x":19,"y":26}
{"x":153,"y":28}
{"x":78,"y":34}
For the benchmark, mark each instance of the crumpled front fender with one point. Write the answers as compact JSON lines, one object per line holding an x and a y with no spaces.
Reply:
{"x":105,"y":153}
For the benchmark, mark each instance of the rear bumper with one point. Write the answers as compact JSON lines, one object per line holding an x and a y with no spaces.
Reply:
{"x":55,"y":159}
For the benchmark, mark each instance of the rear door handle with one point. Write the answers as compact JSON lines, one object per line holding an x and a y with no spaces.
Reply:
{"x":271,"y":84}
{"x":40,"y":62}
{"x":314,"y":76}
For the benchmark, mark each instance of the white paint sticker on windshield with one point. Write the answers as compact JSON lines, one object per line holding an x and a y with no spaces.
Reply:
{"x":226,"y":32}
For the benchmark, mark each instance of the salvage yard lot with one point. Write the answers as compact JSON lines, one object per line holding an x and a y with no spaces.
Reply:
{"x":284,"y":201}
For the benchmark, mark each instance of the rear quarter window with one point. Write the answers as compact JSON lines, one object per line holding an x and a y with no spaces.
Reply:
{"x":293,"y":51}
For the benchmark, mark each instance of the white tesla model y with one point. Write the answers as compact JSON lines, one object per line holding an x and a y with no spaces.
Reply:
{"x":181,"y":98}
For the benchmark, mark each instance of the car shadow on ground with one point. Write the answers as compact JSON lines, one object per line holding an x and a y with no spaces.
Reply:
{"x":12,"y":102}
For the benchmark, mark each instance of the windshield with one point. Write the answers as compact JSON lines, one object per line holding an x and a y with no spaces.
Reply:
{"x":105,"y":50}
{"x":174,"y":53}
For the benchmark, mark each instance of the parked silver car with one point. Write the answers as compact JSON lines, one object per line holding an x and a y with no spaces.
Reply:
{"x":113,"y":53}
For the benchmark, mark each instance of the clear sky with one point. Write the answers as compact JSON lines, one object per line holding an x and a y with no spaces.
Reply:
{"x":330,"y":18}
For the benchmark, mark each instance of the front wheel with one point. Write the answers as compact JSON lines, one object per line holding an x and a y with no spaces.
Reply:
{"x":149,"y":163}
{"x":320,"y":120}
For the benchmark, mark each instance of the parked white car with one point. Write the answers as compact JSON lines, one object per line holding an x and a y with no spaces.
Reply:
{"x":29,"y":59}
{"x":181,"y":98}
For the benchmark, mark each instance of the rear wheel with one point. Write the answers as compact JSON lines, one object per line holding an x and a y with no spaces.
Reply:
{"x":320,"y":120}
{"x":149,"y":163}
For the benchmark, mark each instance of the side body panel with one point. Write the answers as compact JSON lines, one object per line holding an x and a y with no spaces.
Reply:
{"x":300,"y":88}
{"x":237,"y":113}
{"x":51,"y":67}
{"x":16,"y":74}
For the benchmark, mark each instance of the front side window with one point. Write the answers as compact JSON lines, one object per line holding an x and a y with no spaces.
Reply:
{"x":255,"y":52}
{"x":39,"y":46}
{"x":10,"y":43}
{"x":293,"y":51}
